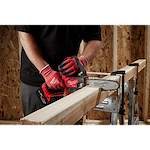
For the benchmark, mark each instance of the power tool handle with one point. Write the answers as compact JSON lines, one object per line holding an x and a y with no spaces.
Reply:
{"x":80,"y":66}
{"x":54,"y":92}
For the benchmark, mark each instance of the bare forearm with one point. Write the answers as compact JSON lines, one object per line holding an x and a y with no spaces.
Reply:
{"x":32,"y":50}
{"x":91,"y":50}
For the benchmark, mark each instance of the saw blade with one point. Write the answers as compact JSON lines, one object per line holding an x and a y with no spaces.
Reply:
{"x":107,"y":85}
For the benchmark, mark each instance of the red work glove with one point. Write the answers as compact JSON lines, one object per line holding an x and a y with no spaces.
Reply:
{"x":52,"y":78}
{"x":70,"y":66}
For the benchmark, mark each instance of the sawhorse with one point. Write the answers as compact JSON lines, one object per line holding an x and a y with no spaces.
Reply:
{"x":115,"y":103}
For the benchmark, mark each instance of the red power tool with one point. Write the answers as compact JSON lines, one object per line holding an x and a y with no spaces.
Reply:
{"x":45,"y":93}
{"x":74,"y":83}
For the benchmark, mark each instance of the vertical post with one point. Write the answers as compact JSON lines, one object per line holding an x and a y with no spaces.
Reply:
{"x":114,"y":48}
{"x":146,"y":73}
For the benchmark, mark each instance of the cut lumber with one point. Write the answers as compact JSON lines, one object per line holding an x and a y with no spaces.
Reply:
{"x":107,"y":122}
{"x":131,"y":71}
{"x":67,"y":110}
{"x":73,"y":107}
{"x":114,"y":48}
{"x":9,"y":122}
{"x":97,"y":73}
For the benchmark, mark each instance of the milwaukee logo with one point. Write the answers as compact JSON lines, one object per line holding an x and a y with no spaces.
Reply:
{"x":54,"y":81}
{"x":72,"y":83}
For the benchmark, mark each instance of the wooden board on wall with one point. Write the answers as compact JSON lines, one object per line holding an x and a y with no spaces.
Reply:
{"x":10,"y":103}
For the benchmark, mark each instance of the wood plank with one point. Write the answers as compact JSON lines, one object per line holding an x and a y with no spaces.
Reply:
{"x":146,"y":75}
{"x":97,"y":73}
{"x":107,"y":122}
{"x":114,"y":48}
{"x":96,"y":123}
{"x":9,"y":122}
{"x":74,"y":107}
{"x":131,"y":71}
{"x":71,"y":108}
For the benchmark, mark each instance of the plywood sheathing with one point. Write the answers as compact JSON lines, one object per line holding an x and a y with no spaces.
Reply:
{"x":130,"y":47}
{"x":10,"y":103}
{"x":103,"y":62}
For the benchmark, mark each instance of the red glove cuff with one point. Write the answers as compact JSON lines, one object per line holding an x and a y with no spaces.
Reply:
{"x":46,"y":71}
{"x":83,"y":61}
{"x":52,"y":78}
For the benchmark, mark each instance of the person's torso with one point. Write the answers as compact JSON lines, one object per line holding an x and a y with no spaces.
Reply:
{"x":56,"y":43}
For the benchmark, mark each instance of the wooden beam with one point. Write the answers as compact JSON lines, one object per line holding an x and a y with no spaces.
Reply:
{"x":71,"y":108}
{"x":67,"y":110}
{"x":107,"y":122}
{"x":114,"y":48}
{"x":9,"y":122}
{"x":131,"y":71}
{"x":146,"y":74}
{"x":97,"y":73}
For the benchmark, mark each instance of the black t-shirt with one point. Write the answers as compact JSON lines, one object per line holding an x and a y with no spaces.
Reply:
{"x":56,"y":43}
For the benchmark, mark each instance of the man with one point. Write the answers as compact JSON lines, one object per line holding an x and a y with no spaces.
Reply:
{"x":44,"y":49}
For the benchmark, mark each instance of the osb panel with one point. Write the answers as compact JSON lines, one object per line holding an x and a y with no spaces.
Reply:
{"x":103,"y":62}
{"x":130,"y":47}
{"x":10,"y":103}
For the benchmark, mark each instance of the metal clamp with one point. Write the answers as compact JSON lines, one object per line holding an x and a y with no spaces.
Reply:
{"x":136,"y":90}
{"x":133,"y":103}
{"x":121,"y":110}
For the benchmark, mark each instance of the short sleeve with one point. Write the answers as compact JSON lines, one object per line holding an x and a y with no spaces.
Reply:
{"x":31,"y":29}
{"x":92,"y":32}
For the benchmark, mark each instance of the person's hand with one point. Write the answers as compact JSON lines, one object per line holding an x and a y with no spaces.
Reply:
{"x":52,"y":78}
{"x":69,"y":66}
